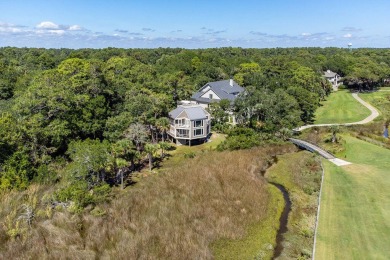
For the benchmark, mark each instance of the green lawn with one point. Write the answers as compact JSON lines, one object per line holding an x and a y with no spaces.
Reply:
{"x":355,"y":207}
{"x":340,"y":107}
{"x":380,"y":100}
{"x":181,"y":151}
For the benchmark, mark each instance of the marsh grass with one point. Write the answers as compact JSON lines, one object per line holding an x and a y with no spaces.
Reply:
{"x":174,"y":214}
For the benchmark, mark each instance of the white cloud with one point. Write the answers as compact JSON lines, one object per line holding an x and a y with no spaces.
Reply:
{"x":51,"y":35}
{"x":48,"y":25}
{"x":351,"y":29}
{"x":59,"y":32}
{"x":10,"y":28}
{"x":75,"y":28}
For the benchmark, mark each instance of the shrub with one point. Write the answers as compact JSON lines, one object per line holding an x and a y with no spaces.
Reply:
{"x":17,"y":172}
{"x":239,"y":142}
{"x":82,"y":196}
{"x":190,"y":155}
{"x":244,"y":138}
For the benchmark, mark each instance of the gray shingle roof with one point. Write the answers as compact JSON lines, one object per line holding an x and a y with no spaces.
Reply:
{"x":221,"y":88}
{"x":193,"y":113}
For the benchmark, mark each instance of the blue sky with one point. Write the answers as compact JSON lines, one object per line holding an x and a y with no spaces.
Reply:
{"x":194,"y":24}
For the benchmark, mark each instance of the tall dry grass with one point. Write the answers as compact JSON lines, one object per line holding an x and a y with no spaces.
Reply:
{"x":172,"y":215}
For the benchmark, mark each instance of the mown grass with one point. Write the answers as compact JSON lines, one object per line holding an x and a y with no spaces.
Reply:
{"x":300,"y":174}
{"x":355,"y":206}
{"x":340,"y":107}
{"x":176,"y":213}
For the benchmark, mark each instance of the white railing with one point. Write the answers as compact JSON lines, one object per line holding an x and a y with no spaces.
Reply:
{"x":182,"y":135}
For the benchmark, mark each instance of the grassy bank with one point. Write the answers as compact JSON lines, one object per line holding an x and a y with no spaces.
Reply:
{"x":380,"y":100}
{"x":182,"y":152}
{"x":300,"y":174}
{"x":259,"y":239}
{"x":340,"y":107}
{"x":355,"y":205}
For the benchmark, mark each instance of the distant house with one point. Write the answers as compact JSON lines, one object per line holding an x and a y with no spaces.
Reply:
{"x":216,"y":91}
{"x":189,"y":123}
{"x":332,"y":77}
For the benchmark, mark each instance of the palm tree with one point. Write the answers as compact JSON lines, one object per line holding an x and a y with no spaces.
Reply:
{"x":150,"y":149}
{"x":164,"y":146}
{"x":334,"y":129}
{"x":163,"y":125}
{"x":124,"y":153}
{"x":284,"y":133}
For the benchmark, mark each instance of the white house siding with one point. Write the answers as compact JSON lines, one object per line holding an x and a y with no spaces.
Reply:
{"x":189,"y":125}
{"x":207,"y":94}
{"x":203,"y":105}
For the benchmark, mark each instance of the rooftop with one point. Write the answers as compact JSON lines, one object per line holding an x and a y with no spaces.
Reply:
{"x":224,"y":89}
{"x":329,"y":74}
{"x":193,"y":112}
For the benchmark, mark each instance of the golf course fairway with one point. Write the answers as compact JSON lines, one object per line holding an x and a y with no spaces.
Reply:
{"x":354,"y":221}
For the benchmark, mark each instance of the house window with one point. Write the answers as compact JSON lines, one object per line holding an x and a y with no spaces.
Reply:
{"x":198,"y":123}
{"x":198,"y":132}
{"x":210,"y":96}
{"x":181,"y":122}
{"x":182,"y":133}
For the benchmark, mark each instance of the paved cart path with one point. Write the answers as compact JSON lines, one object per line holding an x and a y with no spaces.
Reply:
{"x":374,"y":114}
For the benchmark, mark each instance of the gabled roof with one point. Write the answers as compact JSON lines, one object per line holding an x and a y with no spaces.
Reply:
{"x":222,"y":89}
{"x":330,"y":74}
{"x":191,"y":112}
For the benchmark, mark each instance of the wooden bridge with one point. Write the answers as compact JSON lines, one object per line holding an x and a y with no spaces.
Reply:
{"x":316,"y":149}
{"x":312,"y":148}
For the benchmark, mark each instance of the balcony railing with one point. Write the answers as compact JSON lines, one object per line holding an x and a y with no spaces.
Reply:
{"x":173,"y":132}
{"x":183,"y":135}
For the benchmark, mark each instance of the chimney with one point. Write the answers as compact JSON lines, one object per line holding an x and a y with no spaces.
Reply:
{"x":328,"y":71}
{"x":231,"y":82}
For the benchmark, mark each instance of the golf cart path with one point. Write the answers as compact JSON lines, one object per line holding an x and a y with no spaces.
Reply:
{"x":374,"y":114}
{"x":312,"y":147}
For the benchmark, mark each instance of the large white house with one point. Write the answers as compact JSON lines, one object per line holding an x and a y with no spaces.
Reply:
{"x":216,"y":91}
{"x":332,"y":77}
{"x":190,"y":122}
